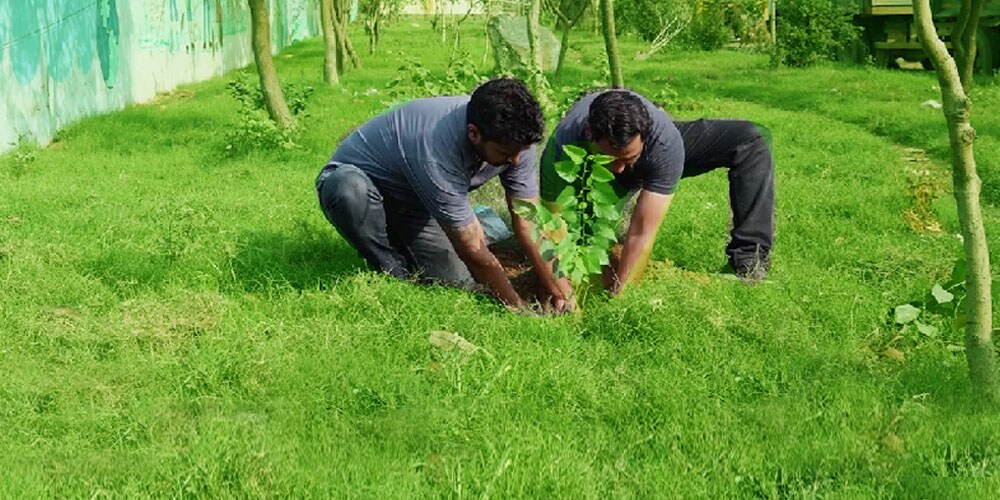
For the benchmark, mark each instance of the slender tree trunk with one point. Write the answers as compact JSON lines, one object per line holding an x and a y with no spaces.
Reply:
{"x":355,"y":61}
{"x":963,"y":40}
{"x":341,"y":12}
{"x":611,"y":43}
{"x":562,"y":49}
{"x":535,"y":51}
{"x":330,"y":74}
{"x":341,"y":35}
{"x":979,"y":349}
{"x":274,"y":100}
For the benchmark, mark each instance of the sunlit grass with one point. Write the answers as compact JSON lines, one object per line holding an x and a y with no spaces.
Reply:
{"x":174,"y":321}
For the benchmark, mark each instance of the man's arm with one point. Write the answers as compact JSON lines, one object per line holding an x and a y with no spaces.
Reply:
{"x":558,"y":290}
{"x":646,"y":218}
{"x":470,"y":245}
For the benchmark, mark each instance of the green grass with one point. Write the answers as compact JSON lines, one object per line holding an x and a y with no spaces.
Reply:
{"x":176,"y":322}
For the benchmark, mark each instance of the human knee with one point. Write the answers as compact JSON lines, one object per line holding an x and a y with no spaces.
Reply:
{"x":346,"y":187}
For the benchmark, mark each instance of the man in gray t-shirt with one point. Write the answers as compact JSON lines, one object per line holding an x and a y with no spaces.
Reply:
{"x":397,"y":187}
{"x":652,"y":152}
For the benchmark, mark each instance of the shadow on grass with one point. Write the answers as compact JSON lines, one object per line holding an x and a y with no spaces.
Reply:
{"x":270,"y":260}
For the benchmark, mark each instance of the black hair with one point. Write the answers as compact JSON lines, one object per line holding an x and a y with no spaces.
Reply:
{"x":618,"y":115}
{"x":504,"y":111}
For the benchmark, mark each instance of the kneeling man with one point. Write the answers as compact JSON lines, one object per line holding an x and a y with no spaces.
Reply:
{"x":397,"y":187}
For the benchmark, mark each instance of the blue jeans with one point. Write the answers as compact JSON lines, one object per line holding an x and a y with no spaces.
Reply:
{"x":400,"y":240}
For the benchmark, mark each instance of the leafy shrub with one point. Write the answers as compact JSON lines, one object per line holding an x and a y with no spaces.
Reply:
{"x":709,"y":29}
{"x":810,"y":31}
{"x":254,"y":129}
{"x":414,"y":80}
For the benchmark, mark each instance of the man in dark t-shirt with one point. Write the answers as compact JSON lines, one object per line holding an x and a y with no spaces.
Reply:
{"x":397,"y":187}
{"x":652,"y":153}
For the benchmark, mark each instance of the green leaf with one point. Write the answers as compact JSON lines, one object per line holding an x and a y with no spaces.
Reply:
{"x":547,"y":249}
{"x":941,"y":295}
{"x":601,"y":174}
{"x":607,"y":212}
{"x":571,"y":217}
{"x":959,"y":271}
{"x":575,"y":154}
{"x":602,"y":192}
{"x":524,"y":209}
{"x":928,"y":330}
{"x":602,"y":160}
{"x":542,"y":215}
{"x":565,"y":247}
{"x":567,"y":170}
{"x":567,"y":198}
{"x":594,"y":259}
{"x":606,"y":231}
{"x":906,"y":313}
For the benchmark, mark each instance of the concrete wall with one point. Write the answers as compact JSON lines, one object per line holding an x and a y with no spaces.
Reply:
{"x":62,"y":60}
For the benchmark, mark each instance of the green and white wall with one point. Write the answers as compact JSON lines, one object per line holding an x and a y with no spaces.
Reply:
{"x":62,"y":60}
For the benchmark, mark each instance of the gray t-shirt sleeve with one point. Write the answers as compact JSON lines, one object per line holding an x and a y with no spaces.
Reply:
{"x":521,"y":180}
{"x":443,"y":192}
{"x":664,"y":155}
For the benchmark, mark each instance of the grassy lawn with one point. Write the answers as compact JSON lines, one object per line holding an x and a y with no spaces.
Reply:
{"x":175,"y":321}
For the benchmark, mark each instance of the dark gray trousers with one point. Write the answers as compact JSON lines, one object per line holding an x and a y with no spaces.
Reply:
{"x":401,"y":240}
{"x":740,"y":146}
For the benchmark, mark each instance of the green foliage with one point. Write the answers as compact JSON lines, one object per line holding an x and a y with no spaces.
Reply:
{"x":231,"y":352}
{"x":22,"y":157}
{"x":413,"y":79}
{"x":580,"y":233}
{"x":645,"y":18}
{"x":946,"y":300}
{"x":250,"y":96}
{"x":812,"y":31}
{"x":254,"y":129}
{"x":708,"y":29}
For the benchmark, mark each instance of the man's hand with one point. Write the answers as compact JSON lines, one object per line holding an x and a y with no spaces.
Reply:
{"x":555,"y":294}
{"x":470,"y":245}
{"x":558,"y":299}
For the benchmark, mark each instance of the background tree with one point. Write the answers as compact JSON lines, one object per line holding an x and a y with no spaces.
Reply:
{"x":375,"y":13}
{"x":538,"y":82}
{"x":330,"y":74}
{"x":274,"y":100}
{"x":345,"y":49}
{"x":611,"y":43}
{"x":963,"y":39}
{"x":567,"y":13}
{"x":955,"y":81}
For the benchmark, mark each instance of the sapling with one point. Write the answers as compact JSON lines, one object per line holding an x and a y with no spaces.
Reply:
{"x":578,"y":230}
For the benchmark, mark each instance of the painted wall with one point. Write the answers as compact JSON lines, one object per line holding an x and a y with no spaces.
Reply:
{"x":62,"y":60}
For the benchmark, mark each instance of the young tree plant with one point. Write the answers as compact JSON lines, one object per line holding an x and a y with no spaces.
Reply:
{"x":578,"y":231}
{"x":330,"y":73}
{"x":611,"y":43}
{"x":979,"y":349}
{"x":274,"y":100}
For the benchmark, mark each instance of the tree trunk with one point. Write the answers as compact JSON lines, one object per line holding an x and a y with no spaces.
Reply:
{"x":274,"y":100}
{"x":330,"y":74}
{"x":963,"y":40}
{"x":349,"y":47}
{"x":535,"y":51}
{"x":345,"y":50}
{"x":979,"y":349}
{"x":611,"y":43}
{"x":562,"y":49}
